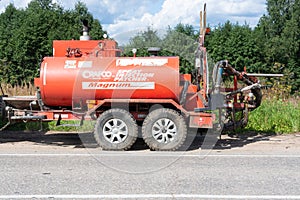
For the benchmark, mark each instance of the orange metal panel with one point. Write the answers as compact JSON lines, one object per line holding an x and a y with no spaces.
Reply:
{"x":201,"y":121}
{"x":66,"y":80}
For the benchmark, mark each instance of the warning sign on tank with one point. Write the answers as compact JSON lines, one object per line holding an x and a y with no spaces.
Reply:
{"x":70,"y":64}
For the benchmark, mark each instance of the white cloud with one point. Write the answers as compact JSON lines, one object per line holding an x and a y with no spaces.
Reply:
{"x":187,"y":12}
{"x":240,"y":11}
{"x":171,"y":13}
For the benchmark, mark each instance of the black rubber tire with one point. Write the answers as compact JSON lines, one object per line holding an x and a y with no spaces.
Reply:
{"x":122,"y":116}
{"x":150,"y":124}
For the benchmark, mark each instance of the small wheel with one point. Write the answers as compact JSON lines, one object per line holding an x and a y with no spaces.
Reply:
{"x":116,"y":129}
{"x":164,"y":129}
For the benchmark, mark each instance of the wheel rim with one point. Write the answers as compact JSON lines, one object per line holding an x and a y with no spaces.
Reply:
{"x":164,"y":130}
{"x":115,"y":131}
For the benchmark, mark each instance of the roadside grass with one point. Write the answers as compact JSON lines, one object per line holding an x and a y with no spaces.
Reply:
{"x":88,"y":126}
{"x":276,"y":116}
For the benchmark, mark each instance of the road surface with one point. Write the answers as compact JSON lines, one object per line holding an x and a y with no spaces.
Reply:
{"x":60,"y":166}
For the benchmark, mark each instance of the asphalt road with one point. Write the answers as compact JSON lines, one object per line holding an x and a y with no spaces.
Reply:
{"x":59,"y":166}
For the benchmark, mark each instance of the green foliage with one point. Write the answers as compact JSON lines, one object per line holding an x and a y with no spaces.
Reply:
{"x":146,"y":39}
{"x":179,"y":41}
{"x":280,"y":36}
{"x":142,"y":42}
{"x":26,"y":36}
{"x":278,"y":88}
{"x":88,"y":126}
{"x":236,"y":44}
{"x":276,"y":116}
{"x":279,"y":109}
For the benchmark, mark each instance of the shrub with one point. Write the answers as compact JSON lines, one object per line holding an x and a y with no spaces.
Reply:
{"x":276,"y":116}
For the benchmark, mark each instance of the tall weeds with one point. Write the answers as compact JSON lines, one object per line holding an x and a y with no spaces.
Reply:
{"x":279,"y":112}
{"x":276,"y":116}
{"x":25,"y":89}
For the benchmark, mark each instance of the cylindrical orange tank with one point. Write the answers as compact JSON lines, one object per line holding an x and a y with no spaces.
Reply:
{"x":64,"y":81}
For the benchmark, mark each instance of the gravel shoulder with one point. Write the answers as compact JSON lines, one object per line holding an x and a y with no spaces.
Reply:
{"x":31,"y":142}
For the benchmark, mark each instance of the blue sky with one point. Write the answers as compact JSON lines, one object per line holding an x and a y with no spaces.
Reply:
{"x":124,"y":18}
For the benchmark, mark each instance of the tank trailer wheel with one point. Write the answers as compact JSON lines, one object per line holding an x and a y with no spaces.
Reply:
{"x":164,"y":129}
{"x":116,"y":129}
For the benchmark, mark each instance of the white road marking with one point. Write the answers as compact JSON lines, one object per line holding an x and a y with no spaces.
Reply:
{"x":149,"y":196}
{"x":149,"y":155}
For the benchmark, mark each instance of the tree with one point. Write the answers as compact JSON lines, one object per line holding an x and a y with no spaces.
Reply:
{"x":237,"y":44}
{"x":179,"y":41}
{"x":279,"y":30}
{"x":26,"y":35}
{"x":146,"y":39}
{"x":142,"y":41}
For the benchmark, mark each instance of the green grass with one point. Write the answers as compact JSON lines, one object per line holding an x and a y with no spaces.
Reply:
{"x":87,"y":126}
{"x":276,"y":116}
